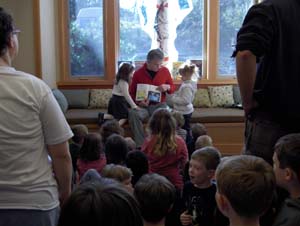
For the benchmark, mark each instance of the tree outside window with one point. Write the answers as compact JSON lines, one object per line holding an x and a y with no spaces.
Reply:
{"x":86,"y":37}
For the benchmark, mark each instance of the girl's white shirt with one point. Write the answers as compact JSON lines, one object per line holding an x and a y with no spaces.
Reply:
{"x":122,"y":89}
{"x":183,"y":98}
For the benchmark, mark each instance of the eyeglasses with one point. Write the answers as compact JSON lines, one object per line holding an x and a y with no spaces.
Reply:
{"x":16,"y":31}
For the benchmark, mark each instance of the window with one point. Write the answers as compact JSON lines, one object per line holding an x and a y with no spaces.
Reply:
{"x":174,"y":26}
{"x":86,"y":38}
{"x":97,"y":34}
{"x":232,"y":13}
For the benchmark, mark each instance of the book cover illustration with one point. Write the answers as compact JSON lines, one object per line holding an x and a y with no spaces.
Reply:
{"x":150,"y":92}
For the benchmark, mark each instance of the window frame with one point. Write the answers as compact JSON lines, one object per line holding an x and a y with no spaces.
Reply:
{"x":111,"y":47}
{"x":110,"y":29}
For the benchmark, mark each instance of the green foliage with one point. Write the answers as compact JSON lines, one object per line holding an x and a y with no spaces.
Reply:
{"x":86,"y":51}
{"x":86,"y":41}
{"x":190,"y":34}
{"x":86,"y":45}
{"x":134,"y":42}
{"x":232,"y":13}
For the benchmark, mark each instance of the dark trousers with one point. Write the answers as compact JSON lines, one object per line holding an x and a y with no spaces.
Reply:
{"x":187,"y":127}
{"x":24,"y":217}
{"x":262,"y":133}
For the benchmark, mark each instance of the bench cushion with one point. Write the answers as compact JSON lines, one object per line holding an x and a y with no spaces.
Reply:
{"x":217,"y":115}
{"x":203,"y":115}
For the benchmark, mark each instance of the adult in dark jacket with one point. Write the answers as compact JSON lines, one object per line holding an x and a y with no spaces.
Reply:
{"x":270,"y":36}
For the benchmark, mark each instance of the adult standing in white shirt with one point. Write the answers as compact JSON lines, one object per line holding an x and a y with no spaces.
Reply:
{"x":32,"y":127}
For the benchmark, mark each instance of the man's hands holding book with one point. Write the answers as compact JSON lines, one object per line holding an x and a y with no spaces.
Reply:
{"x":163,"y":87}
{"x":143,"y":103}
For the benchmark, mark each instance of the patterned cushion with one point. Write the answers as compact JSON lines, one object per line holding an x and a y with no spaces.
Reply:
{"x":201,"y":99}
{"x":221,"y":96}
{"x":99,"y":98}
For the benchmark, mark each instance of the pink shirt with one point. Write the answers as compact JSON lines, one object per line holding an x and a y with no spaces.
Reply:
{"x":170,"y":164}
{"x":83,"y":166}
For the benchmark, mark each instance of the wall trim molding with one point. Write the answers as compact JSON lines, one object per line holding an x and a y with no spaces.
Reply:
{"x":37,"y":38}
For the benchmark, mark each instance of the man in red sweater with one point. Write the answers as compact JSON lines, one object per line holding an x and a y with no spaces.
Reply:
{"x":152,"y":73}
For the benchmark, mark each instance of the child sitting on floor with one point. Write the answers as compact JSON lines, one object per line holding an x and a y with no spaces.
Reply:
{"x":137,"y":161}
{"x":116,"y":149}
{"x":286,"y":162}
{"x":179,"y":124}
{"x":199,"y":193}
{"x":245,"y":189}
{"x":91,"y":155}
{"x":203,"y":141}
{"x":198,"y":129}
{"x":130,"y":143}
{"x":100,"y":202}
{"x":110,"y":127}
{"x":156,"y":196}
{"x":121,"y":174}
{"x":166,"y":152}
{"x":79,"y":131}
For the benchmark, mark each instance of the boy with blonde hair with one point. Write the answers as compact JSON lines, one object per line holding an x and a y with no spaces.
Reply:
{"x":245,"y":189}
{"x":286,"y":162}
{"x":203,"y":141}
{"x":119,"y":173}
{"x":199,"y":193}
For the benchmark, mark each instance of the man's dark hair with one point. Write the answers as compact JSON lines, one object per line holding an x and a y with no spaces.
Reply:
{"x":6,"y":29}
{"x":102,"y":202}
{"x":155,"y":195}
{"x":155,"y":54}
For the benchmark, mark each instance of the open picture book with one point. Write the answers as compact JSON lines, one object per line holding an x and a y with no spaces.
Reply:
{"x":146,"y":91}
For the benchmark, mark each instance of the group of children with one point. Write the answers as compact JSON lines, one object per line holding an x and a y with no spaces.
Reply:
{"x":189,"y":183}
{"x":104,"y":150}
{"x":121,"y":101}
{"x":236,"y":190}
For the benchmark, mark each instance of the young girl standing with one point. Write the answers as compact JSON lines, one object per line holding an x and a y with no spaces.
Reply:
{"x":121,"y":100}
{"x":167,"y":153}
{"x":183,"y":98}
